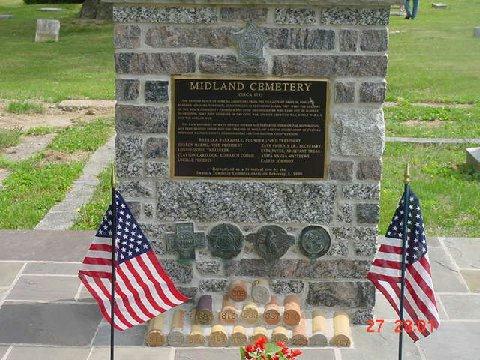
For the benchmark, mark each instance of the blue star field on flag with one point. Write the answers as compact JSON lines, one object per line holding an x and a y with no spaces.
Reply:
{"x":130,"y":240}
{"x":416,"y":240}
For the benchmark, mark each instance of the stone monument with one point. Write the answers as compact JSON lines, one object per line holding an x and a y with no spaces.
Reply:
{"x":47,"y":30}
{"x":249,"y":141}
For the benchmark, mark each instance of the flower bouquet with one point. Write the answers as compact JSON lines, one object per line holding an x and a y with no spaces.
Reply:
{"x":262,"y":350}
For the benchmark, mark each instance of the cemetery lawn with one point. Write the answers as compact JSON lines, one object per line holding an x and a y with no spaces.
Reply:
{"x":36,"y":184}
{"x":80,"y":65}
{"x":435,"y":57}
{"x":410,"y":120}
{"x":449,"y":191}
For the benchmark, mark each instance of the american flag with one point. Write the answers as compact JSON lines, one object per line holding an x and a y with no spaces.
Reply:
{"x":385,"y":273}
{"x":142,"y":288}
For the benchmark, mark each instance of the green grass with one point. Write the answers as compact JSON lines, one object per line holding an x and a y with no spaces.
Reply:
{"x":24,"y":107}
{"x":32,"y":190}
{"x":35,"y":185}
{"x":80,"y":65}
{"x":83,"y":137}
{"x":423,"y":121}
{"x":9,"y":138}
{"x":91,"y":214}
{"x":435,"y":57}
{"x":448,"y":190}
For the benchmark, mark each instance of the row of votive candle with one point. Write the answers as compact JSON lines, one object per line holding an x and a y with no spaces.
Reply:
{"x":250,"y":313}
{"x":218,"y":337}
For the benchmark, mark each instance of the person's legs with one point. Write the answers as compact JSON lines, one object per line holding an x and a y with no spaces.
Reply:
{"x":406,"y":3}
{"x":415,"y":9}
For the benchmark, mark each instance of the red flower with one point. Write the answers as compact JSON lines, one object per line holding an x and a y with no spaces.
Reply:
{"x":261,"y":343}
{"x":250,"y":348}
{"x":281,"y":344}
{"x":286,"y":352}
{"x":296,"y":352}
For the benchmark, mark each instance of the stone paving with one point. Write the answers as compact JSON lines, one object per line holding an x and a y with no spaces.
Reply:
{"x":45,"y":313}
{"x":28,"y":146}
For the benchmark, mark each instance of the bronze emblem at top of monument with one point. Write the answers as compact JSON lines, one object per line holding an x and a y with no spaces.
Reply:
{"x":250,"y":42}
{"x":314,"y":242}
{"x":271,"y":242}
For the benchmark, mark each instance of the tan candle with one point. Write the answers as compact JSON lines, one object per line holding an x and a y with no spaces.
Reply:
{"x":218,"y":336}
{"x":250,"y":313}
{"x":341,"y":330}
{"x":155,"y":335}
{"x":176,"y":336}
{"x":238,"y":290}
{"x":319,"y":327}
{"x":272,"y":312}
{"x":299,"y":334}
{"x":259,"y":333}
{"x":196,"y":337}
{"x":228,"y":315}
{"x":292,"y":311}
{"x":260,"y":291}
{"x":280,"y":334}
{"x":239,"y":336}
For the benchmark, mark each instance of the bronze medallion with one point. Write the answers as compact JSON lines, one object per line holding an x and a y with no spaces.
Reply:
{"x":271,"y":242}
{"x":184,"y":241}
{"x":314,"y":242}
{"x":225,"y":241}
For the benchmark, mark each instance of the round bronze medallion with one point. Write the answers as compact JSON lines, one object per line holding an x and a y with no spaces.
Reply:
{"x":225,"y":241}
{"x":314,"y":241}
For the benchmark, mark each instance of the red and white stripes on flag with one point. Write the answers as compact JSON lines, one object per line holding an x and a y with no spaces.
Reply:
{"x":419,"y":301}
{"x":142,"y":289}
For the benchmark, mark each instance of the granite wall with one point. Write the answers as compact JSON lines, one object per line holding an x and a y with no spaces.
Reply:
{"x":346,"y":45}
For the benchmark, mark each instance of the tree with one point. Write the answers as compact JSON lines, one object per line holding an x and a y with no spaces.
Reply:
{"x":96,"y":9}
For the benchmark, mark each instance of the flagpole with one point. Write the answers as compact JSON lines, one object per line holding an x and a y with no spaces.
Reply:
{"x":406,"y":197}
{"x":112,"y":302}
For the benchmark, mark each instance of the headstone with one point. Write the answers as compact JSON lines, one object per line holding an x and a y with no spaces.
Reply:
{"x":272,"y":108}
{"x":50,"y":9}
{"x":47,"y":30}
{"x":6,"y":16}
{"x":473,"y":157}
{"x":439,"y":6}
{"x":476,"y":32}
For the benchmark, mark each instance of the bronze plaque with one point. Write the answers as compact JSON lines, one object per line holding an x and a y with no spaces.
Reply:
{"x":248,"y":128}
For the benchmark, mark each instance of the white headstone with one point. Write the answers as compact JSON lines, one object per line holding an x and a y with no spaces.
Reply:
{"x":50,"y":9}
{"x":5,"y":16}
{"x":473,"y":157}
{"x":47,"y":30}
{"x":439,"y":6}
{"x":476,"y":32}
